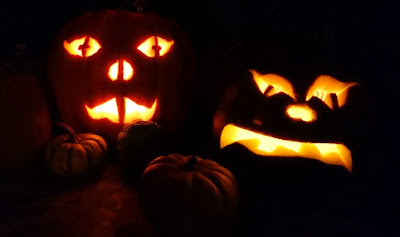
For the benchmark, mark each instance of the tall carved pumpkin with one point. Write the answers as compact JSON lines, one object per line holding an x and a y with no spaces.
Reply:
{"x":109,"y":68}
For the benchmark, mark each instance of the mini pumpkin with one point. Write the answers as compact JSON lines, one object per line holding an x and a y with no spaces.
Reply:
{"x":26,"y":124}
{"x":75,"y":155}
{"x":188,"y":195}
{"x":109,"y":68}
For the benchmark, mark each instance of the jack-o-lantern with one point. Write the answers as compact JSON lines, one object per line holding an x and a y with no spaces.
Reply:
{"x":110,"y":68}
{"x":272,"y":117}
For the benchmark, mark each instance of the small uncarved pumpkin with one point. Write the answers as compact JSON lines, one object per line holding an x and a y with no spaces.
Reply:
{"x":75,"y":155}
{"x":188,"y":195}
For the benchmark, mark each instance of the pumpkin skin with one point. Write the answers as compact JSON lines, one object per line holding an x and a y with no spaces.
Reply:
{"x":80,"y":82}
{"x":188,"y":195}
{"x":26,"y":123}
{"x":75,"y":155}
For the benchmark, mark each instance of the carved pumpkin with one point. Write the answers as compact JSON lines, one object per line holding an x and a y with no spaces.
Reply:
{"x":291,"y":133}
{"x":296,"y":114}
{"x":25,"y":126}
{"x":75,"y":155}
{"x":110,"y":68}
{"x":188,"y":195}
{"x":277,"y":107}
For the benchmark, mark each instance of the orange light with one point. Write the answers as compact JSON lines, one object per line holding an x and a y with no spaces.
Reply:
{"x":133,"y":111}
{"x":165,"y":45}
{"x":127,"y":69}
{"x":260,"y":144}
{"x":278,"y":84}
{"x":325,"y":85}
{"x":301,"y":112}
{"x":113,"y":71}
{"x":93,"y":47}
{"x":77,"y":47}
{"x":108,"y":110}
{"x":148,"y":47}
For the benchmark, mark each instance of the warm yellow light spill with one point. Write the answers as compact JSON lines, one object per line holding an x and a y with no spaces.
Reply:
{"x":279,"y":84}
{"x":324,"y":85}
{"x":134,"y":111}
{"x":75,"y":47}
{"x":301,"y":112}
{"x":93,"y":47}
{"x":165,"y":45}
{"x":108,"y":110}
{"x":148,"y":47}
{"x":128,"y":71}
{"x":329,"y":153}
{"x":113,"y":71}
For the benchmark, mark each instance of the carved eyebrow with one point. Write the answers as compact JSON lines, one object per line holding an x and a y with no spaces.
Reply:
{"x":326,"y":87}
{"x":271,"y":84}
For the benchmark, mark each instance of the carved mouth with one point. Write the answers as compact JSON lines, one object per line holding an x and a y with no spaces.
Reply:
{"x":264,"y":145}
{"x":130,"y":111}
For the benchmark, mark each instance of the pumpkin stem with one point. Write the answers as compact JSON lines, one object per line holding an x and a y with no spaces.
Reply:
{"x":70,"y":132}
{"x":138,"y":4}
{"x":190,"y":164}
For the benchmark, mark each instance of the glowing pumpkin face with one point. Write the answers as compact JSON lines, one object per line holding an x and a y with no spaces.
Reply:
{"x":270,"y":118}
{"x":110,"y":68}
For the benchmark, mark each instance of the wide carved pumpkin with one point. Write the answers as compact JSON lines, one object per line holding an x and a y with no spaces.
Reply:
{"x":289,"y":109}
{"x":291,"y":128}
{"x":109,"y":68}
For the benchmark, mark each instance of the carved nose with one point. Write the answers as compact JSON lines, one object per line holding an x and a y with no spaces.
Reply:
{"x":121,"y":69}
{"x":301,"y":112}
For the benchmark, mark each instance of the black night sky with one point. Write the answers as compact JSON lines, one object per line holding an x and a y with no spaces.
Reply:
{"x":359,"y":36}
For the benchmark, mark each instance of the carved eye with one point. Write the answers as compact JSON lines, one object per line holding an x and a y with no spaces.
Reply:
{"x":326,"y":86}
{"x":83,"y":47}
{"x":155,"y":44}
{"x":272,"y":84}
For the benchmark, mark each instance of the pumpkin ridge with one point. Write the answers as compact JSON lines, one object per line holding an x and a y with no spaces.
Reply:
{"x":203,"y":177}
{"x":222,"y":181}
{"x":223,"y":171}
{"x":69,"y":159}
{"x":95,"y":138}
{"x":85,"y":144}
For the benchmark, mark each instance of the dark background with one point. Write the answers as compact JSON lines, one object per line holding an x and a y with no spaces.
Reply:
{"x":361,"y":36}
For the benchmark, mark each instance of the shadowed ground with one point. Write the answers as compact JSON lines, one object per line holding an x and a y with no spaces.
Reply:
{"x":39,"y":208}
